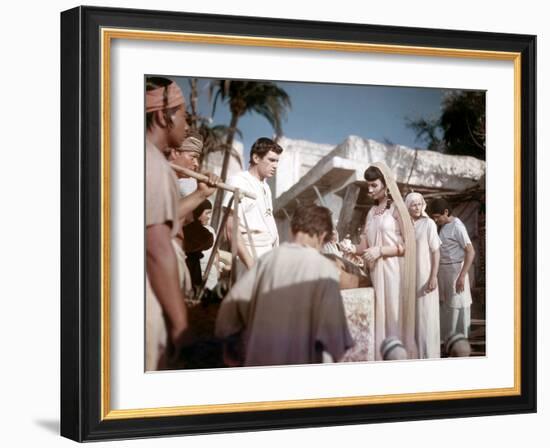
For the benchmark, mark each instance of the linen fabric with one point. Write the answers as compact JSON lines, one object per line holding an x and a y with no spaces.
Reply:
{"x":161,"y":196}
{"x":427,"y":304}
{"x":258,"y":213}
{"x":287,"y":309}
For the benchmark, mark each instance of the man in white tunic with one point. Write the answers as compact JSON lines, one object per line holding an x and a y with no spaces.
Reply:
{"x":457,"y":256}
{"x":288,"y":309}
{"x":256,"y":214}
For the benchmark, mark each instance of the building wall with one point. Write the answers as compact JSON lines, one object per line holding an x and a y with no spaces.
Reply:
{"x":297,"y":158}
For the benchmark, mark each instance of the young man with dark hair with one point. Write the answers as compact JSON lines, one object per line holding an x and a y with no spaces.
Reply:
{"x":262,"y":147}
{"x":456,"y":257}
{"x":257,"y":213}
{"x":288,"y":309}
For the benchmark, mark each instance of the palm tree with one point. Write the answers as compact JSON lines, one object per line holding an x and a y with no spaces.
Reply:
{"x":264,"y":98}
{"x":215,"y":138}
{"x":193,"y":103}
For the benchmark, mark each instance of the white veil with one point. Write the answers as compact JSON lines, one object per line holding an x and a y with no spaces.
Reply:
{"x":409,"y":274}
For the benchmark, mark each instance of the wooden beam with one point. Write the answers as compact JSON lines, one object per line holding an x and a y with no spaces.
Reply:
{"x":348,"y":206}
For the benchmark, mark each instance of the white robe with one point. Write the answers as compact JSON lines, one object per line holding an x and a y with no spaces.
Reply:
{"x":427,"y":304}
{"x":257,"y":212}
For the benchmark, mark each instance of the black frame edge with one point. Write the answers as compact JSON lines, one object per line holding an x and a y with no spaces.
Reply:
{"x":71,"y":383}
{"x":529,"y":222}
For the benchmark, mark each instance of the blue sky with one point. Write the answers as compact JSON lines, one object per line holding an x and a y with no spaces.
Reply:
{"x":328,"y":113}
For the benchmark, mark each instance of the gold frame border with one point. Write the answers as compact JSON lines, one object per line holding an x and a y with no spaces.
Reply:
{"x":107,"y":35}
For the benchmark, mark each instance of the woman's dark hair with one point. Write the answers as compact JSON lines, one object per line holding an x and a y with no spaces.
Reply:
{"x":313,"y":220}
{"x":262,"y":146}
{"x":155,"y":82}
{"x":204,"y":205}
{"x":438,"y":206}
{"x":373,"y":173}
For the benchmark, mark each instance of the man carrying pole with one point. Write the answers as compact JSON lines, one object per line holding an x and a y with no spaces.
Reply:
{"x":167,"y":326}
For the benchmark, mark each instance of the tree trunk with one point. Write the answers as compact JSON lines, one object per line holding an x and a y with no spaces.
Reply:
{"x":194,"y":98}
{"x":216,"y":212}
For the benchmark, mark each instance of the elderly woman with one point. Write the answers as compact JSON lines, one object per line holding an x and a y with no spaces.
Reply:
{"x":427,"y":265}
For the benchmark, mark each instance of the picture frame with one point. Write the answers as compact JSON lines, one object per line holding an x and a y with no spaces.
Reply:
{"x":86,"y":37}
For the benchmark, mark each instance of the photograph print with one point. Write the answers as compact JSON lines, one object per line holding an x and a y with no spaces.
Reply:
{"x":291,"y":223}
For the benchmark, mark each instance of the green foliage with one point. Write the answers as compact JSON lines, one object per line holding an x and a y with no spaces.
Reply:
{"x":460,"y":129}
{"x":262,"y":97}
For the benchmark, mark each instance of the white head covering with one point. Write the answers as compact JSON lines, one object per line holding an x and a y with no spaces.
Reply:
{"x":411,"y":197}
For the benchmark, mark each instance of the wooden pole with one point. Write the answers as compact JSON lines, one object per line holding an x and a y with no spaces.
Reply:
{"x":201,"y":177}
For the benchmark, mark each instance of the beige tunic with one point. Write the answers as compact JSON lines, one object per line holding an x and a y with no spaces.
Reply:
{"x":161,"y":198}
{"x":288,"y":309}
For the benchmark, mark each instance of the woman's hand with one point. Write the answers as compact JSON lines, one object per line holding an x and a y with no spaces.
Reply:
{"x":348,"y":248}
{"x":372,"y":254}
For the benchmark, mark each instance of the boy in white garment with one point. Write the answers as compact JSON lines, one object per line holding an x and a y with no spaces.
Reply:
{"x":457,"y":256}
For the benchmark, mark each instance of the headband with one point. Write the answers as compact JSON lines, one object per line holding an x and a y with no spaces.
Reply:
{"x":192,"y":144}
{"x":154,"y":99}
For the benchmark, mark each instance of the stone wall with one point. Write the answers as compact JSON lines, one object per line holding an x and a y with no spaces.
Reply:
{"x":359,"y":307}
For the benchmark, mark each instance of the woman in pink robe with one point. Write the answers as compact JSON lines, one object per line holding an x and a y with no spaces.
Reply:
{"x":382,"y":247}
